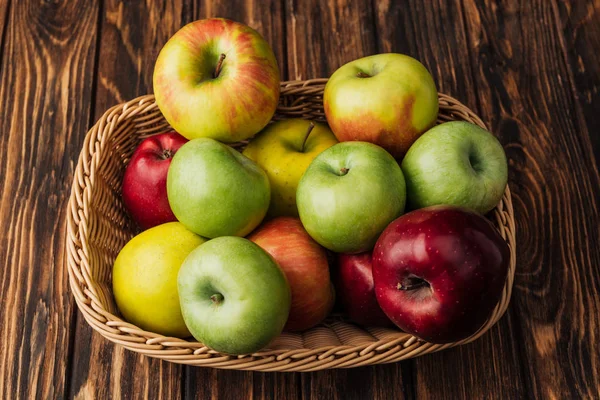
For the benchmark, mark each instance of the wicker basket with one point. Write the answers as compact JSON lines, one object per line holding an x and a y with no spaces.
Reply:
{"x":98,"y":227}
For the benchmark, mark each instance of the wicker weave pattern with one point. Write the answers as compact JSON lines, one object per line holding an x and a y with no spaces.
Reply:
{"x":98,"y":227}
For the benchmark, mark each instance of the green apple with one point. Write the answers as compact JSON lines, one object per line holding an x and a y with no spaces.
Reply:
{"x":234,"y":297}
{"x":214,"y":190}
{"x":386,"y":99}
{"x":456,"y":163}
{"x":217,"y":78}
{"x":144,"y":278}
{"x":349,"y":194}
{"x":284,"y":150}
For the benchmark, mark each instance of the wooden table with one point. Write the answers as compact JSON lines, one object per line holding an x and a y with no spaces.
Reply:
{"x":530,"y":69}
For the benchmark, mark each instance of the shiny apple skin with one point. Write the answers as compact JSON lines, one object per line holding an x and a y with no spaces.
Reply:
{"x":356,"y":290}
{"x":461,"y":256}
{"x":306,"y":268}
{"x":228,"y":106}
{"x":144,"y":187}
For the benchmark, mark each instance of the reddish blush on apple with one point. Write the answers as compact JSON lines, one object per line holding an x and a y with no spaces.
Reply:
{"x":305,"y":265}
{"x":145,"y":181}
{"x":356,"y":291}
{"x":439,"y":272}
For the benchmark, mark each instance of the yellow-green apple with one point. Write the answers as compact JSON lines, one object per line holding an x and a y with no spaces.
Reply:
{"x":234,"y":297}
{"x":144,"y":187}
{"x":144,"y":278}
{"x":439,"y":272}
{"x":355,"y":290}
{"x":217,"y":78}
{"x":456,"y":163}
{"x":386,"y":99}
{"x":305,"y":265}
{"x":284,"y":150}
{"x":214,"y":190}
{"x":349,"y":194}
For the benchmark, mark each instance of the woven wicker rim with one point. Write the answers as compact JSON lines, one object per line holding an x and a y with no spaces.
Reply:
{"x":98,"y":227}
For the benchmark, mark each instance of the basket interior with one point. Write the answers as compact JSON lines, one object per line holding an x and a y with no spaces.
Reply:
{"x":97,"y":196}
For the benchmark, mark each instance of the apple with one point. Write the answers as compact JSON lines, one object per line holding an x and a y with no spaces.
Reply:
{"x":284,"y":149}
{"x":234,"y":297}
{"x":456,"y":163}
{"x":306,"y":268}
{"x":217,"y":78}
{"x":144,"y":278}
{"x":356,"y":290}
{"x":439,"y":272}
{"x":216,"y":191}
{"x":386,"y":99}
{"x":349,"y":194}
{"x":144,"y":187}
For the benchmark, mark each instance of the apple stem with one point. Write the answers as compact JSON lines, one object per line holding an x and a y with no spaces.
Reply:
{"x":344,"y":171}
{"x":412,"y":284}
{"x":308,"y":131}
{"x":166,"y":154}
{"x":219,"y":65}
{"x":363,"y":75}
{"x":217,"y":298}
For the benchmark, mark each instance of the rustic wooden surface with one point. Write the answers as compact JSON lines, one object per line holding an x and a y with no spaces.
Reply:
{"x":530,"y":69}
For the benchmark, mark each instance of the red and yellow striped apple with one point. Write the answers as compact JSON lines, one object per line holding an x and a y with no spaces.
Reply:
{"x":386,"y":99}
{"x":217,"y":78}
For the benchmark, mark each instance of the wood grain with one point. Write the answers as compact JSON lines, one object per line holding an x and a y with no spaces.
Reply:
{"x":322,"y":36}
{"x":525,"y":89}
{"x":580,"y":23}
{"x":131,"y":35}
{"x":45,"y":86}
{"x":529,"y":68}
{"x":4,"y":7}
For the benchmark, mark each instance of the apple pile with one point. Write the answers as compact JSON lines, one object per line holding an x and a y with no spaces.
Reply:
{"x":236,"y":245}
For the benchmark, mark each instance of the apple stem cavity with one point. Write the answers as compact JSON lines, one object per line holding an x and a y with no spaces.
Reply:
{"x":219,"y":65}
{"x":308,"y":131}
{"x":412,"y":283}
{"x":217,"y":298}
{"x":166,"y":154}
{"x":362,"y":74}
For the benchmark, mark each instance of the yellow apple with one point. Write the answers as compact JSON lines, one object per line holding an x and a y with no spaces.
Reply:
{"x":284,"y":150}
{"x":145,"y":278}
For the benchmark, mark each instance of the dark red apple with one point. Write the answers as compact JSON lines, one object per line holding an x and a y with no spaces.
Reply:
{"x":144,"y":187}
{"x":305,"y":265}
{"x":356,"y":291}
{"x":439,"y":272}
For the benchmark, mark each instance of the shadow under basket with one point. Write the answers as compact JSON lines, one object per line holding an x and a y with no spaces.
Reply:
{"x":98,"y":227}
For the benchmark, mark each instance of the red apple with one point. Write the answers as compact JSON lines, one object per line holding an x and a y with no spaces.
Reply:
{"x":305,"y":265}
{"x":439,"y":272}
{"x":145,"y":182}
{"x":356,"y":291}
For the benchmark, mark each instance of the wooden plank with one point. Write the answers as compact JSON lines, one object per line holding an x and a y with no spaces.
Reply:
{"x":580,"y":23}
{"x":276,"y":385}
{"x":4,"y":6}
{"x":321,"y":37}
{"x":526,"y":91}
{"x":132,"y":34}
{"x":438,"y":40}
{"x":46,"y":86}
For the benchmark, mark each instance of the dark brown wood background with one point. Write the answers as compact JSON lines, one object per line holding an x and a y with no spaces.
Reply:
{"x":530,"y":69}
